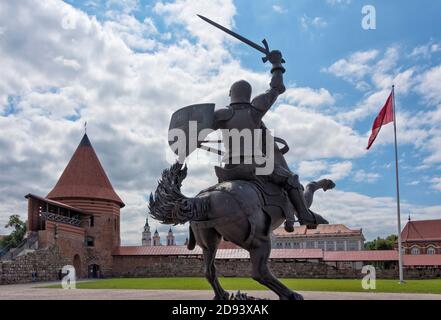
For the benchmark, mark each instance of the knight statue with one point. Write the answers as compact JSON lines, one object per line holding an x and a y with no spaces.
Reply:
{"x":245,"y":206}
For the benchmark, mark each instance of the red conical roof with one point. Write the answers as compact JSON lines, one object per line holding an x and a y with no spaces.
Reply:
{"x":84,"y":177}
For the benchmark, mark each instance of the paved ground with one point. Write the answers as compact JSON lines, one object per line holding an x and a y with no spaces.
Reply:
{"x":30,"y":291}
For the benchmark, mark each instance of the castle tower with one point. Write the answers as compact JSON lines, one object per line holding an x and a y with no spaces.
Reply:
{"x":170,"y":238}
{"x":156,"y":238}
{"x":146,"y":234}
{"x":85,"y":185}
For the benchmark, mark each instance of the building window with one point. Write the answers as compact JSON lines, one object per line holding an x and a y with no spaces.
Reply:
{"x":321,"y":244}
{"x":352,"y":245}
{"x":415,"y":250}
{"x":431,"y":250}
{"x":287,"y":244}
{"x":340,"y":245}
{"x":89,"y":241}
{"x":310,"y":245}
{"x":329,"y":245}
{"x":296,"y":245}
{"x":91,"y":221}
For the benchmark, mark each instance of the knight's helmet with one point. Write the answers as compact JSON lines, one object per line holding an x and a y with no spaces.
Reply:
{"x":240,"y":92}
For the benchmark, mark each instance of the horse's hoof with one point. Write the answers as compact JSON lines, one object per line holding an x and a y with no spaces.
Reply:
{"x":296,"y":296}
{"x":224,"y":296}
{"x":289,"y":226}
{"x":328,"y":185}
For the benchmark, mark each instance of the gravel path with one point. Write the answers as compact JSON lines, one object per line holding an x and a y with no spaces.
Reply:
{"x":30,"y":291}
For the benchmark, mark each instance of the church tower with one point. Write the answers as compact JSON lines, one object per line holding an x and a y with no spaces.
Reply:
{"x":156,"y":238}
{"x":146,"y":234}
{"x":170,"y":238}
{"x":85,"y":185}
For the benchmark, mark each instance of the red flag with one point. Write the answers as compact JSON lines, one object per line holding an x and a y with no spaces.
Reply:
{"x":385,"y":116}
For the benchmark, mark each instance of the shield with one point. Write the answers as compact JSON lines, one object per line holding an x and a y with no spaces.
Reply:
{"x":188,"y":128}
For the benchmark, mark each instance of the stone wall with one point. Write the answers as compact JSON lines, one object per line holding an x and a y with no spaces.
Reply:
{"x":178,"y":266}
{"x":46,"y":262}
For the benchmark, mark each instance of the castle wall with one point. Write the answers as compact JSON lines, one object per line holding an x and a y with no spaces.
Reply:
{"x":70,"y":241}
{"x":180,"y":266}
{"x":46,"y":263}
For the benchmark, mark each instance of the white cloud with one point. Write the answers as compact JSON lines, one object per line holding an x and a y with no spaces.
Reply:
{"x":311,"y":169}
{"x":366,"y":177}
{"x":338,"y":171}
{"x":320,"y":169}
{"x":136,"y":34}
{"x":184,"y":13}
{"x":425,"y":51}
{"x":436,"y":183}
{"x":429,"y":86}
{"x":355,"y":67}
{"x":338,"y":2}
{"x":312,"y":135}
{"x":307,"y":22}
{"x":71,"y":63}
{"x":375,"y":215}
{"x":308,"y":97}
{"x":278,"y":8}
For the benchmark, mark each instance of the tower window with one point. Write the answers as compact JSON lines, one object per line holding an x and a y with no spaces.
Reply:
{"x":90,"y":241}
{"x":91,"y":221}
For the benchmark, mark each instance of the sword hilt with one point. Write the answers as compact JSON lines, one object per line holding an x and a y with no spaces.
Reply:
{"x":265,"y":44}
{"x":268,"y":52}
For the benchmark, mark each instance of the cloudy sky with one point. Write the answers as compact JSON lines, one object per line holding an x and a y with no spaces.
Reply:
{"x":125,"y":66}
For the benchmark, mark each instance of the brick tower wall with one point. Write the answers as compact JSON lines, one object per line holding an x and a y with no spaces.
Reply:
{"x":105,"y":231}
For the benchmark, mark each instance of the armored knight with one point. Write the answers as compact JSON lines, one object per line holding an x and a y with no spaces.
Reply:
{"x":240,"y":164}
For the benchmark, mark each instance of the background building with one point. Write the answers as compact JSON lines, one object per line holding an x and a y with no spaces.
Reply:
{"x":146,"y":234}
{"x":80,"y":215}
{"x":170,"y":238}
{"x":330,"y":237}
{"x":156,"y":239}
{"x":422,"y":237}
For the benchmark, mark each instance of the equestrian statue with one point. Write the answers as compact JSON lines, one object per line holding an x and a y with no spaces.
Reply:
{"x":245,"y":206}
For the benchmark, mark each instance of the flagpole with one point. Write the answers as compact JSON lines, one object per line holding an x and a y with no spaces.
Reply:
{"x":400,"y":253}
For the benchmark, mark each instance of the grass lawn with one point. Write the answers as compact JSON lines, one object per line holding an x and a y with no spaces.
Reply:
{"x":350,"y":285}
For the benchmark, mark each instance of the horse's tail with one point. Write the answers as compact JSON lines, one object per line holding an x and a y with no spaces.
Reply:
{"x":169,"y":205}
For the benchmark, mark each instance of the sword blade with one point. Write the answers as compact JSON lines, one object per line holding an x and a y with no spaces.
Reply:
{"x":235,"y":35}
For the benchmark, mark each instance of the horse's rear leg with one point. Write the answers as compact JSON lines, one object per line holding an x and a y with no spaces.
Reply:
{"x":313,"y":186}
{"x":209,"y":251}
{"x":262,"y":274}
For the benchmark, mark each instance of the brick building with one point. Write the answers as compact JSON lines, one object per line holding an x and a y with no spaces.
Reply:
{"x":80,"y":215}
{"x":330,"y":237}
{"x":422,"y":237}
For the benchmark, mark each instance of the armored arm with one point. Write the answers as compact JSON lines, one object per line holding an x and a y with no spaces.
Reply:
{"x":263,"y":102}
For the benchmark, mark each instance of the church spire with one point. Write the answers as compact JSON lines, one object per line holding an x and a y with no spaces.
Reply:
{"x":146,"y":235}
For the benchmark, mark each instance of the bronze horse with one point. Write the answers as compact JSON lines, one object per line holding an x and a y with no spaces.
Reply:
{"x":234,"y":210}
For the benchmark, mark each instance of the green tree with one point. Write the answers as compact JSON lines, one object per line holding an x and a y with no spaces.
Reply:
{"x":18,"y":233}
{"x":382,"y":244}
